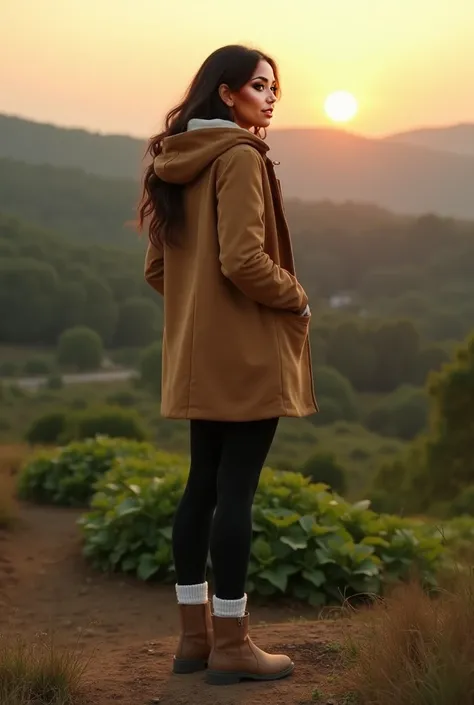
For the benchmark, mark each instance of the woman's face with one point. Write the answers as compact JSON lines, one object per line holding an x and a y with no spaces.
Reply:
{"x":252,"y":105}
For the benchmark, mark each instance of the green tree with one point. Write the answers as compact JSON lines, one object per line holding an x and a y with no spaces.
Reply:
{"x":450,"y":444}
{"x":352,"y":354}
{"x":81,"y":348}
{"x":28,"y":291}
{"x":138,"y":323}
{"x":150,"y":368}
{"x":396,"y":345}
{"x":336,"y":397}
{"x":323,"y":467}
{"x":403,"y":414}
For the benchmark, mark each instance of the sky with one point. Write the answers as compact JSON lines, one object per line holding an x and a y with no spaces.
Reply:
{"x":116,"y":66}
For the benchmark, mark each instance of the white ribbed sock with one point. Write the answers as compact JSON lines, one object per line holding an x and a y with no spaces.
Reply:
{"x":192,"y":594}
{"x":229,"y":608}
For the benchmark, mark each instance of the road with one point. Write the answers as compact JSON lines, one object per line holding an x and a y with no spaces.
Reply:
{"x":79,"y":378}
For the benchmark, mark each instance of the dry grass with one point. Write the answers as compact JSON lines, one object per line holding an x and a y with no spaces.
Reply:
{"x":11,"y":459}
{"x":40,"y":673}
{"x":417,"y":649}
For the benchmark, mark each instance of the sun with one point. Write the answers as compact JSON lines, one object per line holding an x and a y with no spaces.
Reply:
{"x":341,"y":106}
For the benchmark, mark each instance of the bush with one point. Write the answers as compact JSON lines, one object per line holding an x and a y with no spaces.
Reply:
{"x":80,"y":348}
{"x":307,"y":543}
{"x":47,"y":428}
{"x":54,"y":381}
{"x":138,"y":322}
{"x":122,"y":399}
{"x":66,"y":476}
{"x":402,"y":414}
{"x":464,"y":502}
{"x":37,"y":366}
{"x":150,"y":368}
{"x":8,"y":369}
{"x":106,"y":421}
{"x":340,"y":401}
{"x":323,"y":467}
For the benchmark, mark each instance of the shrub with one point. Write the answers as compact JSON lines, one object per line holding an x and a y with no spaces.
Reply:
{"x":81,"y":348}
{"x":105,"y":421}
{"x":338,"y":394}
{"x":323,"y":467}
{"x":37,"y":366}
{"x":8,"y":369}
{"x":150,"y":368}
{"x":54,"y":381}
{"x":66,"y":476}
{"x":464,"y":502}
{"x":122,"y":399}
{"x":306,"y":543}
{"x":47,"y":428}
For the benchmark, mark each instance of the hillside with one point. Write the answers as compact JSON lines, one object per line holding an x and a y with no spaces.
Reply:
{"x":453,"y":138}
{"x":315,"y":165}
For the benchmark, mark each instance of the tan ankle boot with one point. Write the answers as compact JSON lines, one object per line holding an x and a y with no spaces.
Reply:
{"x":195,"y":641}
{"x":234,"y":656}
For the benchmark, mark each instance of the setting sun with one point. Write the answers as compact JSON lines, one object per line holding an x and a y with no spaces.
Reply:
{"x":341,"y":106}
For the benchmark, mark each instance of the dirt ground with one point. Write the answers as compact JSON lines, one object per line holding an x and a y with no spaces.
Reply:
{"x":128,"y":629}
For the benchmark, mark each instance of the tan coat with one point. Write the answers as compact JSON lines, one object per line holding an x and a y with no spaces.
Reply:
{"x":234,"y":345}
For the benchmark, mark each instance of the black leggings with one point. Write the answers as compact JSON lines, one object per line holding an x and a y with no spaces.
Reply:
{"x":226,"y":462}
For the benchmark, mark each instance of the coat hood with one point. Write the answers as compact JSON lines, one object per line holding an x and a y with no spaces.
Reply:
{"x":186,"y":155}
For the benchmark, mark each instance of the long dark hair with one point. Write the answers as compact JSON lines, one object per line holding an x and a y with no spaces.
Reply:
{"x":163,"y":202}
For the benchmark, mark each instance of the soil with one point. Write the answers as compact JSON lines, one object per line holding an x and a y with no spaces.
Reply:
{"x":128,"y":630}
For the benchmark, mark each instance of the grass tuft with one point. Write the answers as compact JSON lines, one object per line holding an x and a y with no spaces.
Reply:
{"x":418,"y":649}
{"x":39,"y":673}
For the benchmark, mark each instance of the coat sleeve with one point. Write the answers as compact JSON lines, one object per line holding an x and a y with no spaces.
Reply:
{"x":241,"y":232}
{"x":154,"y":267}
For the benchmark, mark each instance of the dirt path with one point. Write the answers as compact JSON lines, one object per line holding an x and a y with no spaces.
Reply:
{"x":128,"y":629}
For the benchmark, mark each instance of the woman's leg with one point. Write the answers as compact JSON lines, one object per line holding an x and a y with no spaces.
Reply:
{"x":244,"y":451}
{"x":193,"y":518}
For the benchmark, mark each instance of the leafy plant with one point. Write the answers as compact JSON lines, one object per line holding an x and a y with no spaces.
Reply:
{"x":307,"y":542}
{"x":66,"y":476}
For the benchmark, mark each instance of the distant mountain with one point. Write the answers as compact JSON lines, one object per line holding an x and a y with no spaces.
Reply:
{"x":105,"y":155}
{"x":331,"y":164}
{"x":454,"y":138}
{"x":315,"y":164}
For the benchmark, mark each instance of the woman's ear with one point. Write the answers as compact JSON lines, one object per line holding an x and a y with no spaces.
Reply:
{"x":226,"y":95}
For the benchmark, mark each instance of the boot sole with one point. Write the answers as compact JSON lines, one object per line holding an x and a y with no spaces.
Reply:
{"x":184,"y":666}
{"x":231,"y":678}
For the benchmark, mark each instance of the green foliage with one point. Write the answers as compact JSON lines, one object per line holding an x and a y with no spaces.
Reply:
{"x":108,"y":421}
{"x":464,"y":502}
{"x":81,"y":348}
{"x":123,"y":398}
{"x":403,"y":414}
{"x":150,"y":368}
{"x":307,"y":543}
{"x":8,"y":369}
{"x":324,"y":468}
{"x":47,"y":428}
{"x":138,"y":322}
{"x":54,"y":381}
{"x":336,"y":397}
{"x":66,"y":476}
{"x":37,"y":366}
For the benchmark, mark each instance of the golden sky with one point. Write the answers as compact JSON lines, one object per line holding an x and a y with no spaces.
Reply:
{"x":118,"y":65}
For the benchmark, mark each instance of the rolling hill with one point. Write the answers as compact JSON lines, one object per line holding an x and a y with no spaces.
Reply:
{"x":315,"y":164}
{"x":453,"y":138}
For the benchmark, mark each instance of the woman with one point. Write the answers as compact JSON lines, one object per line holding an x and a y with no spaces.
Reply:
{"x":236,"y":355}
